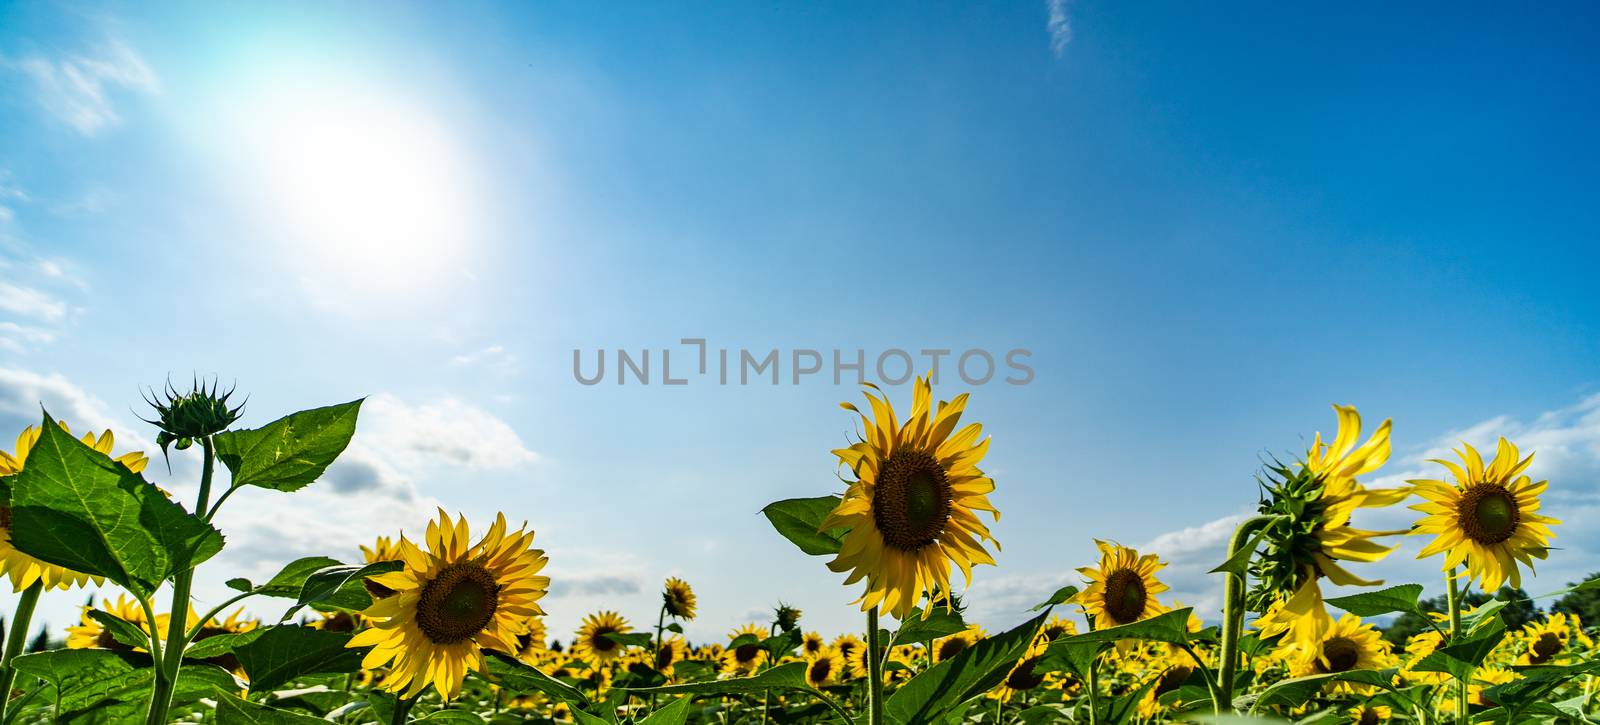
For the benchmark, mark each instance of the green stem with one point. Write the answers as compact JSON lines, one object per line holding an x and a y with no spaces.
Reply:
{"x":1455,"y":633}
{"x":1233,"y":609}
{"x":171,"y":661}
{"x":208,"y":616}
{"x":17,"y":641}
{"x":402,"y":710}
{"x":1094,"y":691}
{"x":874,"y":671}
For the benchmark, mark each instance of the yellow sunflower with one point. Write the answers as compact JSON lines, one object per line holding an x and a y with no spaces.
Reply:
{"x":1369,"y":714}
{"x":1123,"y":589}
{"x":531,"y":644}
{"x":911,"y":511}
{"x":451,"y":601}
{"x":1316,"y":502}
{"x":1023,"y":675}
{"x":848,"y":645}
{"x":812,"y":643}
{"x":1347,"y":645}
{"x":23,"y":569}
{"x":1055,"y":629}
{"x":1488,"y":518}
{"x":824,"y":667}
{"x":678,"y":598}
{"x":946,"y":647}
{"x":592,"y":644}
{"x":89,"y":634}
{"x":745,"y":658}
{"x":672,"y":651}
{"x":1548,"y":640}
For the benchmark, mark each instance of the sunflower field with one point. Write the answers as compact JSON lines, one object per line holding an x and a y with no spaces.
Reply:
{"x":446,"y":626}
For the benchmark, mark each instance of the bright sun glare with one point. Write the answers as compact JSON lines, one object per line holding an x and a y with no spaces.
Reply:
{"x":364,"y":185}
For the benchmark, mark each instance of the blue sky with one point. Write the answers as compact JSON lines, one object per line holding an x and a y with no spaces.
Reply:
{"x":1206,"y":225}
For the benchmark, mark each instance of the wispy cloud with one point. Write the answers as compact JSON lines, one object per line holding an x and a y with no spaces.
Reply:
{"x":32,"y":303}
{"x":1059,"y":25}
{"x":494,"y":357}
{"x":79,"y":88}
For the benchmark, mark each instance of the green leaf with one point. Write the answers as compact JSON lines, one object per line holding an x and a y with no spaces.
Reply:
{"x":328,"y":583}
{"x":675,"y":628}
{"x":1066,"y":656}
{"x":940,"y":622}
{"x":324,"y":582}
{"x":516,"y":676}
{"x":1171,"y":627}
{"x":443,"y":717}
{"x":673,"y":713}
{"x":220,"y":644}
{"x":1402,"y":598}
{"x":630,"y":639}
{"x":1062,"y":596}
{"x":791,"y":676}
{"x":121,"y":629}
{"x":1461,"y":657}
{"x":75,"y":507}
{"x":1297,"y":691}
{"x":1239,"y":563}
{"x":291,"y":451}
{"x":234,"y":711}
{"x":1537,"y":683}
{"x":103,"y":686}
{"x":280,"y":654}
{"x":800,"y":521}
{"x":239,"y":584}
{"x":975,"y":670}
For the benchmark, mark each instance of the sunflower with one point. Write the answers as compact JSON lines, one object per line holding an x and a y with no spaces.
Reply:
{"x":812,"y":643}
{"x":383,"y":549}
{"x":1123,"y":589}
{"x":1055,"y":629}
{"x":90,"y":634}
{"x":1172,"y":674}
{"x":1314,"y":503}
{"x":1418,"y":647}
{"x":592,"y":644}
{"x":450,"y":601}
{"x":672,"y":651}
{"x":1023,"y":675}
{"x":912,"y":509}
{"x":824,"y":667}
{"x":1369,"y":714}
{"x":678,"y":598}
{"x":1347,"y":645}
{"x":23,"y":569}
{"x":745,"y":657}
{"x":1487,"y":518}
{"x":1548,"y":640}
{"x":531,"y":644}
{"x":946,"y":647}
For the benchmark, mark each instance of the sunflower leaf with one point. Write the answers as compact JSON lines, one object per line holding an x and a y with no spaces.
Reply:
{"x":75,"y":507}
{"x":515,"y":676}
{"x":790,"y":676}
{"x":121,"y":629}
{"x":673,"y":713}
{"x":280,"y":654}
{"x":1536,"y":683}
{"x":1297,"y":691}
{"x":975,"y":670}
{"x":1401,"y":598}
{"x":234,"y":711}
{"x":800,"y":521}
{"x":1461,"y":657}
{"x":219,"y":644}
{"x":1062,"y":596}
{"x":940,"y":622}
{"x":291,"y":451}
{"x":629,"y":639}
{"x":96,"y":685}
{"x":1171,"y":627}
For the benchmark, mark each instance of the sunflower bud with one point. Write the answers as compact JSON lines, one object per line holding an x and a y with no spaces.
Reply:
{"x":183,"y":417}
{"x":1288,"y":546}
{"x":786,"y":617}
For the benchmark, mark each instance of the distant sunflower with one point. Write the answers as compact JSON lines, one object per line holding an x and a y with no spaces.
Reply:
{"x":946,"y":647}
{"x":531,"y":644}
{"x":23,"y":569}
{"x":1123,"y":589}
{"x":812,"y":643}
{"x":1548,"y":640}
{"x":90,"y":634}
{"x":848,"y":645}
{"x":592,"y":644}
{"x":911,"y":511}
{"x":1487,"y":518}
{"x":679,"y":599}
{"x":744,"y":658}
{"x":1024,"y":675}
{"x":672,"y":651}
{"x":1347,"y":645}
{"x":824,"y":667}
{"x":1055,"y":629}
{"x":451,"y":601}
{"x":1370,"y":714}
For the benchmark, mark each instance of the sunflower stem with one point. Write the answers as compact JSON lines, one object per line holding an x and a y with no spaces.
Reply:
{"x":874,"y":671}
{"x":16,"y":642}
{"x":402,"y":709}
{"x":661,"y":621}
{"x":1455,"y":632}
{"x":171,"y":662}
{"x":1233,"y":616}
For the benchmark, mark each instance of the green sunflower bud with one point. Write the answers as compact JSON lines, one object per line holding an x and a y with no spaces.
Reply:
{"x":186,"y":416}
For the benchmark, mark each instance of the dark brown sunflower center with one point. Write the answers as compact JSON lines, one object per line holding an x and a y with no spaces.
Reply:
{"x":1488,"y":513}
{"x":458,"y":603}
{"x":951,"y":647}
{"x":912,"y":499}
{"x":1125,"y":596}
{"x":821,"y":669}
{"x":1341,"y":654}
{"x":1054,"y":632}
{"x":1173,"y":678}
{"x":665,"y":656}
{"x":1023,"y":677}
{"x":1369,"y":717}
{"x":1547,"y":646}
{"x":746,"y":652}
{"x":5,"y":518}
{"x":599,"y":642}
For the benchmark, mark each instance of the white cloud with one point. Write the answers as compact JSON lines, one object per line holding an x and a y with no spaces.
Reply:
{"x":20,"y":338}
{"x":494,"y":357}
{"x":1059,"y":25}
{"x":78,"y":88}
{"x":29,"y":302}
{"x":444,"y":431}
{"x":22,"y":392}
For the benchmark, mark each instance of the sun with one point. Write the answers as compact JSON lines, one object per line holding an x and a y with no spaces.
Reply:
{"x":358,"y":182}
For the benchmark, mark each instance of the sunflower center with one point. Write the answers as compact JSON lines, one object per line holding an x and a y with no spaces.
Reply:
{"x":746,"y":652}
{"x":1547,"y":646}
{"x":665,"y":657}
{"x":1023,"y":677}
{"x":1369,"y":717}
{"x":1173,"y":678}
{"x":912,"y":500}
{"x":1341,"y":654}
{"x":1488,"y":513}
{"x":951,"y":647}
{"x":1125,"y":596}
{"x":821,"y":668}
{"x":599,"y":642}
{"x":458,"y":603}
{"x":5,"y":518}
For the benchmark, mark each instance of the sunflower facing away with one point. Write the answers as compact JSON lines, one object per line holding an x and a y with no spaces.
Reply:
{"x":593,"y":645}
{"x":1488,"y":518}
{"x":1315,"y":502}
{"x":679,"y":599}
{"x":450,"y":601}
{"x":23,"y":569}
{"x":911,"y":511}
{"x":1123,"y":589}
